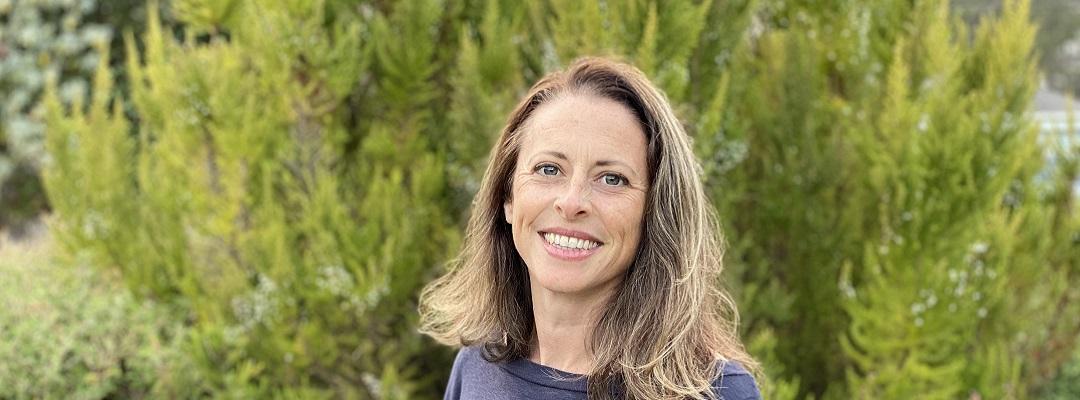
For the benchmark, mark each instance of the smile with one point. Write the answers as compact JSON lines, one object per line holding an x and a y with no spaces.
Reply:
{"x":568,"y":248}
{"x":570,"y":242}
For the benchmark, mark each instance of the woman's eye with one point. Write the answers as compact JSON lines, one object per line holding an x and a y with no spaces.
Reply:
{"x":614,"y":180}
{"x":549,"y":170}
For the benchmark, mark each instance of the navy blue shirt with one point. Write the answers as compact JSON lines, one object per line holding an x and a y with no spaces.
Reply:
{"x":474,"y":378}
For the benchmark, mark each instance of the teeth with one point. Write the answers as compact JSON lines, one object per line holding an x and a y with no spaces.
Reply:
{"x":569,"y":242}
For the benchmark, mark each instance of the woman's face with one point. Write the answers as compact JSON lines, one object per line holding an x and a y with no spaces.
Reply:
{"x":578,"y":194}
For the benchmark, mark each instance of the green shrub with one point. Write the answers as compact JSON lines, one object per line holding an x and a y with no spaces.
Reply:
{"x":879,"y":176}
{"x":293,"y":246}
{"x":41,"y":39}
{"x":1066,"y":385}
{"x":72,"y":331}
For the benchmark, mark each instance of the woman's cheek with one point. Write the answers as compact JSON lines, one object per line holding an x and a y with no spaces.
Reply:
{"x":625,"y":198}
{"x":538,"y":185}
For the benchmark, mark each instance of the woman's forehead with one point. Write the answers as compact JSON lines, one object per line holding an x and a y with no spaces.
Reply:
{"x":588,"y":123}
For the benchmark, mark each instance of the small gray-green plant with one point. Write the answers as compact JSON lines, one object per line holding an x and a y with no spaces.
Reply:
{"x":70,"y":331}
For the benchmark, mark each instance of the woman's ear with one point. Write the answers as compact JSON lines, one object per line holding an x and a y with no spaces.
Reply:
{"x":507,"y":212}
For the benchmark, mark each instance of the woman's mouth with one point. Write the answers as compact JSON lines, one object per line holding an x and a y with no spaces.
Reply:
{"x":568,"y":248}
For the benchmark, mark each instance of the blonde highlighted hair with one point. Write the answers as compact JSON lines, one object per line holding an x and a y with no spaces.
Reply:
{"x":670,"y":300}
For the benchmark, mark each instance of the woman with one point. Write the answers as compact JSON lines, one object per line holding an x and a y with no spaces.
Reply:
{"x":592,"y":258}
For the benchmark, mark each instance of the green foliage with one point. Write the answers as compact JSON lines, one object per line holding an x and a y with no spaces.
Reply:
{"x":893,"y":201}
{"x":1066,"y":385}
{"x":763,"y":346}
{"x":1057,"y":32}
{"x":485,"y":81}
{"x":953,"y":197}
{"x":73,"y":332}
{"x":39,"y":39}
{"x":239,"y":200}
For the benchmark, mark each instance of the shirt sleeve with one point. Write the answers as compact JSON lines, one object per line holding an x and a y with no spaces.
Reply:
{"x":453,"y":387}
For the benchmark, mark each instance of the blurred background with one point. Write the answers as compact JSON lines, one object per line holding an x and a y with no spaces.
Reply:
{"x":220,"y":198}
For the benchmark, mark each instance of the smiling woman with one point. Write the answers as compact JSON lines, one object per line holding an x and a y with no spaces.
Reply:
{"x":592,"y":259}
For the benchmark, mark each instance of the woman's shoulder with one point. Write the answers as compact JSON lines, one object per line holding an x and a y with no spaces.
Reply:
{"x":467,"y":375}
{"x":467,"y":357}
{"x":735,"y":383}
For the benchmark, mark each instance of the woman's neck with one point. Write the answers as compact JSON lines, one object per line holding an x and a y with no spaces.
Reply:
{"x":563,"y":328}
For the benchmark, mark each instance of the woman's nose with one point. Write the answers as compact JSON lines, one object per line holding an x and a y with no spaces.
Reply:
{"x":573,"y":202}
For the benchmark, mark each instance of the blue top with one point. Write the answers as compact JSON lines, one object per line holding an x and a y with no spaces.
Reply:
{"x":474,"y":378}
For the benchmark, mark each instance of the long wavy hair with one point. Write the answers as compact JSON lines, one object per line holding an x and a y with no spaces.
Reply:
{"x":670,"y":300}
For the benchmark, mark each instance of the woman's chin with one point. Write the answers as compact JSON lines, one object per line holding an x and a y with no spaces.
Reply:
{"x":558,"y":278}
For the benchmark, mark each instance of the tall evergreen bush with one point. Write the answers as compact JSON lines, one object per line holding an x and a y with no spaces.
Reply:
{"x":39,"y":39}
{"x":886,"y":217}
{"x":295,"y":242}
